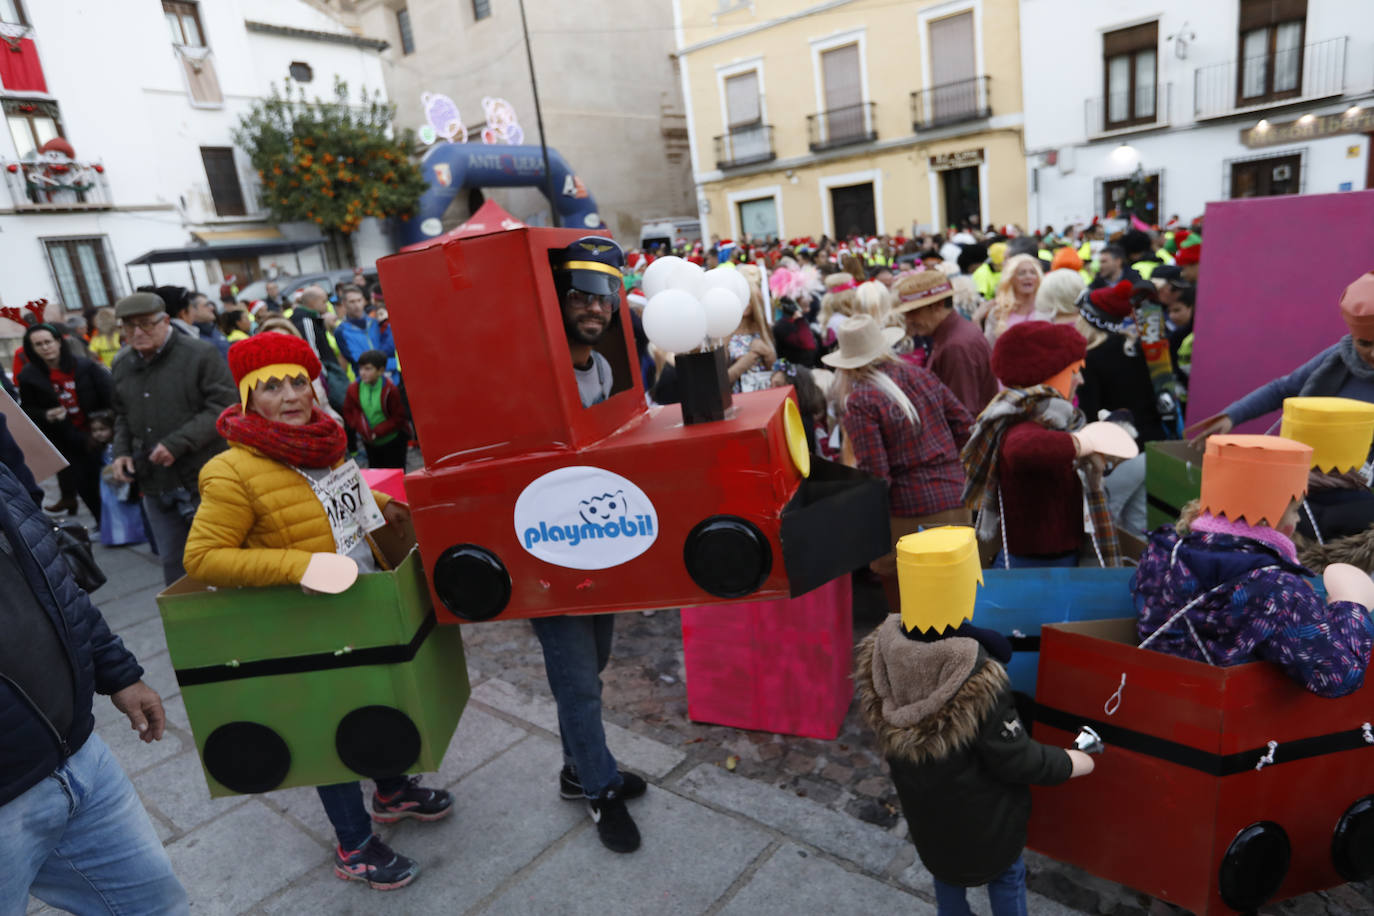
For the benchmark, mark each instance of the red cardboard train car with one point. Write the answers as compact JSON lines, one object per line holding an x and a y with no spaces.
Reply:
{"x":1220,"y":789}
{"x":531,"y":505}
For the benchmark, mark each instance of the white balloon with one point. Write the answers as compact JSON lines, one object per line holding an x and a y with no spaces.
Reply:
{"x":656,"y":275}
{"x":675,"y":321}
{"x":689,"y":278}
{"x":723,"y":312}
{"x":731,"y":279}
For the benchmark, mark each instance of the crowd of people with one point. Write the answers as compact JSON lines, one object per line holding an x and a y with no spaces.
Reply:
{"x":962,"y":369}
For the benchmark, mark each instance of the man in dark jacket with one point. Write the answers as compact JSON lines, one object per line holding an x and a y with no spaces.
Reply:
{"x":308,"y":317}
{"x":169,"y":391}
{"x":72,"y":830}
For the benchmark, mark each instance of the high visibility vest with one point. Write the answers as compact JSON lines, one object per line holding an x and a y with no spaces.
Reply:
{"x":874,"y":260}
{"x":1145,"y":268}
{"x":1164,"y":256}
{"x":1045,"y":256}
{"x":334,"y":345}
{"x":985,"y":279}
{"x":1085,"y":251}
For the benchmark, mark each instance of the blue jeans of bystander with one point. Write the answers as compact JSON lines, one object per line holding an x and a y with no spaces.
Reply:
{"x":169,"y":517}
{"x":80,"y":841}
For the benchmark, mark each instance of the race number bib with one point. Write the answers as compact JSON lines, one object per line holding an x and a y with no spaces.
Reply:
{"x":349,"y":505}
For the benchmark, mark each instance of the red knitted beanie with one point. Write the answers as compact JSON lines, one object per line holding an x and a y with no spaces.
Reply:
{"x":1033,"y":352}
{"x":1190,"y":255}
{"x":261,"y":351}
{"x":1114,"y":300}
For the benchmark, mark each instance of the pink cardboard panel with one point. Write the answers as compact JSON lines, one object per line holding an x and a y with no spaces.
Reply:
{"x":777,"y":666}
{"x":1273,"y":270}
{"x":390,"y":481}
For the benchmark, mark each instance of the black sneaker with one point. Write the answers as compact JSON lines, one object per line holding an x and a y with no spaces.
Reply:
{"x":570,"y":787}
{"x":413,"y":801}
{"x":613,"y":822}
{"x":376,"y":864}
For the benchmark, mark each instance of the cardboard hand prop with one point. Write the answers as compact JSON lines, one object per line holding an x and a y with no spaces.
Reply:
{"x":1106,"y":439}
{"x":1348,"y":583}
{"x":330,"y":573}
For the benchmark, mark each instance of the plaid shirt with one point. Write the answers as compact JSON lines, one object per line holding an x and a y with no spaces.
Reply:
{"x":919,"y":462}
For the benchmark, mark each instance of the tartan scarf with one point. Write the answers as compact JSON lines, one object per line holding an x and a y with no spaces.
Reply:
{"x":982,"y":494}
{"x":318,"y":444}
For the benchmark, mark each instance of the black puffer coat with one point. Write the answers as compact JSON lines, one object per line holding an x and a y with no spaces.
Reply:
{"x":30,"y":750}
{"x":960,"y":758}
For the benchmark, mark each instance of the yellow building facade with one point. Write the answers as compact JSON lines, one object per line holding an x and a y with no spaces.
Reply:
{"x":852,"y":117}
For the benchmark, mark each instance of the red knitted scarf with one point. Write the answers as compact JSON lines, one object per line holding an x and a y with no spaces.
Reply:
{"x":318,"y":444}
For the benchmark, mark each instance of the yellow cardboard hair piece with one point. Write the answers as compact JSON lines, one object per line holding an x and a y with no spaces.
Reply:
{"x":939,"y":573}
{"x":266,"y":374}
{"x":1338,"y":429}
{"x":1253,"y":478}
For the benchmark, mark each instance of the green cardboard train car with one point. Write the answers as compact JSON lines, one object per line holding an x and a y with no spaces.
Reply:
{"x":288,"y":689}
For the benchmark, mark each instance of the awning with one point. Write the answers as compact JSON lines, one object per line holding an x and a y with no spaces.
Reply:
{"x":232,"y":250}
{"x":490,"y":217}
{"x":220,"y":236}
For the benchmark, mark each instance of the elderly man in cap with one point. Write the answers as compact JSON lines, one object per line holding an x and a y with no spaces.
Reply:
{"x":959,"y":354}
{"x":169,"y":391}
{"x":1345,"y":369}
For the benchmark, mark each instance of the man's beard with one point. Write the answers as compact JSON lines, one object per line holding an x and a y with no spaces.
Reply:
{"x":579,"y":336}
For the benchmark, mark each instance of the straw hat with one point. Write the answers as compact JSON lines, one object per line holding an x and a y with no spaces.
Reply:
{"x":861,"y":342}
{"x":922,"y":288}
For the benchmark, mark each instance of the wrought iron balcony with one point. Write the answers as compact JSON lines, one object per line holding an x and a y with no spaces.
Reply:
{"x":1285,"y":76}
{"x":56,"y":184}
{"x":951,"y":103}
{"x":1147,"y":108}
{"x":842,"y":126}
{"x":745,"y":146}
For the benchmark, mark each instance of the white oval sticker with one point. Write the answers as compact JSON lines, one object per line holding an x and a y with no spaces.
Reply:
{"x":584,"y":518}
{"x":432,"y":226}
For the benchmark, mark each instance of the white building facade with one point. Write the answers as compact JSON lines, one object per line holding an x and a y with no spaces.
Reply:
{"x":1155,"y":109}
{"x":147,"y":94}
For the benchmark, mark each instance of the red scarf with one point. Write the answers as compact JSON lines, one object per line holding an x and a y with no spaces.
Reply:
{"x":321,"y":443}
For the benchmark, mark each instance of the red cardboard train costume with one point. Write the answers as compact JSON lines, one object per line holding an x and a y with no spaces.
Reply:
{"x":531,"y":505}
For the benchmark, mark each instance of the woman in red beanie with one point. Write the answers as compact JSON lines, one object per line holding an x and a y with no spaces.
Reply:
{"x":261,"y":522}
{"x":1022,"y":460}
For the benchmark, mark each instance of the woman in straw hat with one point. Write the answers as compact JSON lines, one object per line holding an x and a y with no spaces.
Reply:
{"x":905,"y":427}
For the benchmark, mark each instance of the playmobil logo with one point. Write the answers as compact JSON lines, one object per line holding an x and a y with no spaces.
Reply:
{"x":584,"y":518}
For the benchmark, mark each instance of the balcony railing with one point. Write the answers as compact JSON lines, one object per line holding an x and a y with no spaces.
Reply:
{"x":38,"y":184}
{"x":842,"y":126}
{"x":951,"y":103}
{"x":1309,"y":72}
{"x":745,"y":146}
{"x":1148,"y":109}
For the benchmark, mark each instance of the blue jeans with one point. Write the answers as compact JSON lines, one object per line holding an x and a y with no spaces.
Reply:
{"x":1006,"y":894}
{"x":343,"y":804}
{"x":1022,"y":561}
{"x":169,"y":520}
{"x":576,"y":650}
{"x":80,"y":841}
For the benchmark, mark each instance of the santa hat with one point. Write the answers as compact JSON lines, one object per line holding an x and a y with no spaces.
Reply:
{"x":1190,"y":255}
{"x":267,"y":356}
{"x":1032,"y":352}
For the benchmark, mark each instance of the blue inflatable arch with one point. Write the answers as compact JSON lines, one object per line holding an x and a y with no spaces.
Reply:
{"x":449,"y":168}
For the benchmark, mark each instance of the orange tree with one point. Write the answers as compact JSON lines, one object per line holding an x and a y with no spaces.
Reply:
{"x":331,"y":163}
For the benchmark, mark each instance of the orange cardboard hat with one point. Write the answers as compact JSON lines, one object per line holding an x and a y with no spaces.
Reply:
{"x":1338,"y":429}
{"x":1253,"y":478}
{"x":1357,"y":306}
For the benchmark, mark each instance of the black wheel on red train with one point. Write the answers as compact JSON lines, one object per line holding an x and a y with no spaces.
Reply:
{"x":1352,"y":842}
{"x":1254,"y":866}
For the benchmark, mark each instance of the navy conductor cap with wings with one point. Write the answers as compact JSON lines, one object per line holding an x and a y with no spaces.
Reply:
{"x":591,"y":264}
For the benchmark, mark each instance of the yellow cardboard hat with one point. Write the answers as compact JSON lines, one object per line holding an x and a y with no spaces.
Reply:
{"x":1338,"y":429}
{"x":1253,"y":477}
{"x":939,"y":573}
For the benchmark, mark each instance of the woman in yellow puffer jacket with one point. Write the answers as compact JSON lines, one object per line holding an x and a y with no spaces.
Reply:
{"x":262,"y":522}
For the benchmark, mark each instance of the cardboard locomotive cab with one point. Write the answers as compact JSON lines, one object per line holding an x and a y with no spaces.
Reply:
{"x":1173,"y":477}
{"x":531,"y":505}
{"x":1220,"y":788}
{"x":288,"y":689}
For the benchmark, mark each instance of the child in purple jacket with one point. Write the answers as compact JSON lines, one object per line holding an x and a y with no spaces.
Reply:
{"x":1225,"y":591}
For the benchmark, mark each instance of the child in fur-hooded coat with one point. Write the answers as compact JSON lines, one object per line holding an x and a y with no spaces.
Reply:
{"x":959,"y":755}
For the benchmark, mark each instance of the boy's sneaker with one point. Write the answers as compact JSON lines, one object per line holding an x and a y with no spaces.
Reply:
{"x":613,"y":822}
{"x":376,"y":864}
{"x":570,"y":787}
{"x":413,"y":801}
